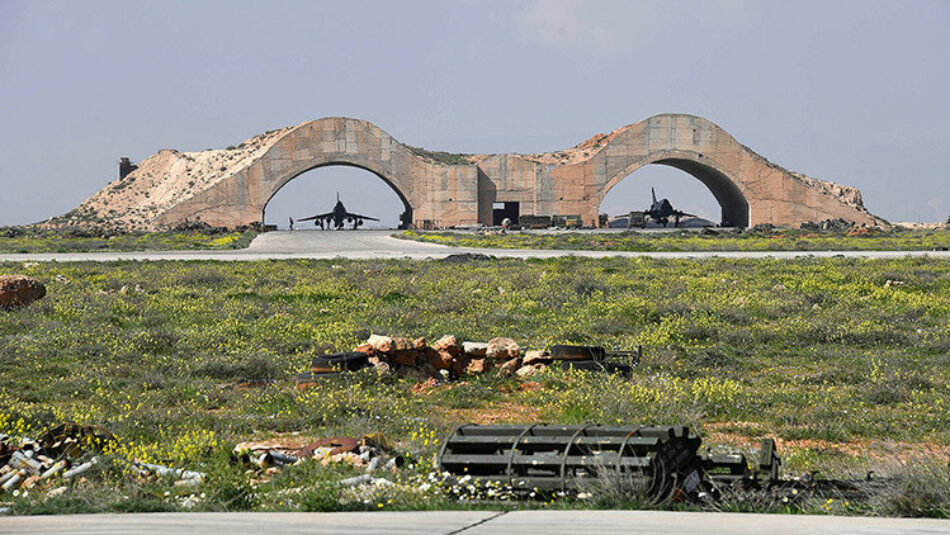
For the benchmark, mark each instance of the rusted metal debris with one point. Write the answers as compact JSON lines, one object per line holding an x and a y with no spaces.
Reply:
{"x":336,"y":445}
{"x":68,"y":451}
{"x":71,"y":439}
{"x":371,"y":453}
{"x":659,"y":463}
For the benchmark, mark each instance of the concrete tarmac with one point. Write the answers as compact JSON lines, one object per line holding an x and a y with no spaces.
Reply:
{"x":379,"y":244}
{"x":470,"y":522}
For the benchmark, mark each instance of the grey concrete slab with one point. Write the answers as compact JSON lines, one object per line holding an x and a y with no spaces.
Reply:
{"x":379,"y":244}
{"x":247,"y":523}
{"x":599,"y":522}
{"x":471,"y":522}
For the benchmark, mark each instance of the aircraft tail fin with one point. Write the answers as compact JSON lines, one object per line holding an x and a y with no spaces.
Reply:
{"x":653,"y":191}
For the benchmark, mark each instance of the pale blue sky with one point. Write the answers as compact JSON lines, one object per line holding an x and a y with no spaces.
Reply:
{"x":854,"y":92}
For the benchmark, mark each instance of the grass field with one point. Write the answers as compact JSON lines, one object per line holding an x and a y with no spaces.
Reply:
{"x":726,"y":240}
{"x":845,"y":361}
{"x":25,"y":240}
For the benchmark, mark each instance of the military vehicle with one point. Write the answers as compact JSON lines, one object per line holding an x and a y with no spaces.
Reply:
{"x":338,"y":217}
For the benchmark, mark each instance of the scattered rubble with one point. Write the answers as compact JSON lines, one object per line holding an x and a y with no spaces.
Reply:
{"x":66,"y":453}
{"x":502,"y":348}
{"x":372,"y":453}
{"x":461,"y":258}
{"x":19,"y":290}
{"x":828,"y":224}
{"x":477,"y":349}
{"x":447,"y":359}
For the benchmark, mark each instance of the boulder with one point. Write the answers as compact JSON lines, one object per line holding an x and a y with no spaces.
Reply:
{"x":402,"y":344}
{"x":502,"y":349}
{"x":474,"y":349}
{"x":440,"y":360}
{"x":525,"y":371}
{"x":406,"y":357}
{"x":459,"y":364}
{"x":509,"y":367}
{"x":449,"y":344}
{"x":366,"y":348}
{"x":19,"y":290}
{"x":382,"y":344}
{"x":419,"y":343}
{"x":478,"y":365}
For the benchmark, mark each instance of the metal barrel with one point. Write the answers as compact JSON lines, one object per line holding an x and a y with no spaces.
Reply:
{"x":568,"y":458}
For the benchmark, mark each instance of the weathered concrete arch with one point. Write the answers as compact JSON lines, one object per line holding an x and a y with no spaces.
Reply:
{"x":242,"y":196}
{"x":387,"y":180}
{"x":231,"y":187}
{"x":735,"y":207}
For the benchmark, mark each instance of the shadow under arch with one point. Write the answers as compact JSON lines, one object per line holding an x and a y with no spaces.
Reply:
{"x":405,"y":219}
{"x":735,"y":207}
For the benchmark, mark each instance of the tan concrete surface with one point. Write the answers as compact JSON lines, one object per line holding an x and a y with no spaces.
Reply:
{"x":232,"y":187}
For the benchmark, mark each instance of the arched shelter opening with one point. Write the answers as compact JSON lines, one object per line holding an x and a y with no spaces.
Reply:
{"x":314,"y":191}
{"x":720,"y":202}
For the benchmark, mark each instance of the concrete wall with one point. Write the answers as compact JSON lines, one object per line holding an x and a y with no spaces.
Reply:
{"x":751,"y":189}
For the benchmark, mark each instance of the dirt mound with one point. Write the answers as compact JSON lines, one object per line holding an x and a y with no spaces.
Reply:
{"x":161,"y":181}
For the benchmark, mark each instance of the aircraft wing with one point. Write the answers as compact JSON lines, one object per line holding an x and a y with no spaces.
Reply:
{"x":684,"y":214}
{"x":318,"y":216}
{"x":361,"y":216}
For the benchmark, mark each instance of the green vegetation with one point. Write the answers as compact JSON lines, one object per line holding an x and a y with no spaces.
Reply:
{"x":846,"y":361}
{"x":447,"y":158}
{"x":753,"y":240}
{"x":28,"y":240}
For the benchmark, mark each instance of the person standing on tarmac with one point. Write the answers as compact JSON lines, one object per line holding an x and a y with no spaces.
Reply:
{"x":291,"y":223}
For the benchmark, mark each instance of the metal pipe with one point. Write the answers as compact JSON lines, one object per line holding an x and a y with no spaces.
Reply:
{"x":20,"y":460}
{"x":164,"y":471}
{"x":6,"y":477}
{"x":281,"y":458}
{"x":14,"y":481}
{"x":81,"y":469}
{"x":53,"y":470}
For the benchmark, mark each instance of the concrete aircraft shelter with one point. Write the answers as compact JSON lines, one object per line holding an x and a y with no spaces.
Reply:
{"x":232,"y":187}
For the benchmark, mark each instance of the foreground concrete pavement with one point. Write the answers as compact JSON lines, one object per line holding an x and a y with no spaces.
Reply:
{"x":470,"y":522}
{"x":379,"y":244}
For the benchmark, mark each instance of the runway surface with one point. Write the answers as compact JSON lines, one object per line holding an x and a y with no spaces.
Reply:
{"x":470,"y":523}
{"x":380,"y":244}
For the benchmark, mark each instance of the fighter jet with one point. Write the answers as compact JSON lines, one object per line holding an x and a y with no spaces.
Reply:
{"x":661,"y":211}
{"x":338,"y":217}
